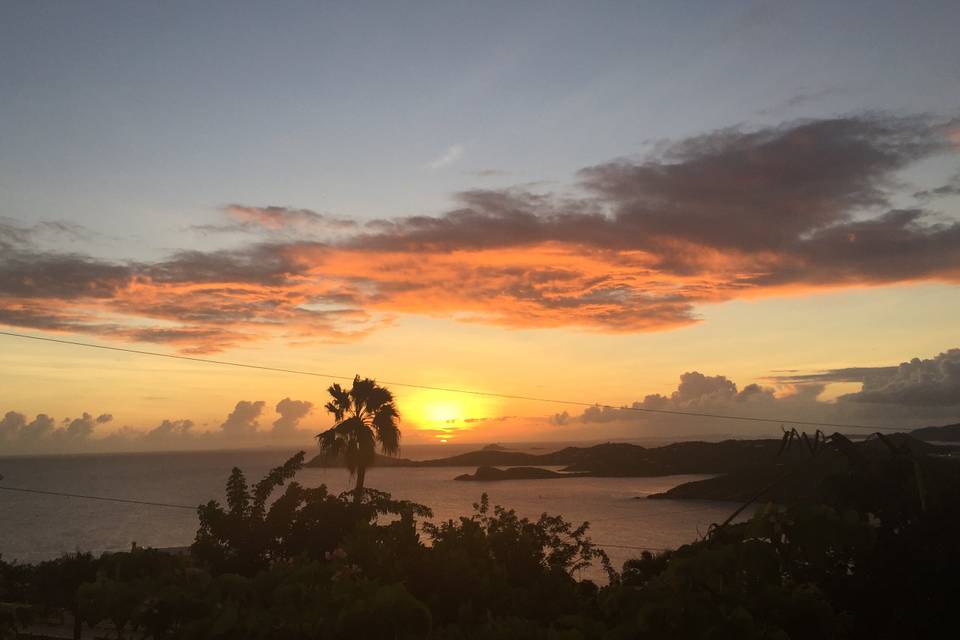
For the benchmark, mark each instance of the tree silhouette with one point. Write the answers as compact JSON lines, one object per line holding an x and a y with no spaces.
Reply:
{"x":365,"y":415}
{"x":56,"y":582}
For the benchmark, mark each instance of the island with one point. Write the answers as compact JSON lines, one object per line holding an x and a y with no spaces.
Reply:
{"x":739,"y":468}
{"x":492,"y":474}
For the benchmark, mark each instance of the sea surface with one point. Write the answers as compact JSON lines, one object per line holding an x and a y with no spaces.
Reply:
{"x":35,"y":527}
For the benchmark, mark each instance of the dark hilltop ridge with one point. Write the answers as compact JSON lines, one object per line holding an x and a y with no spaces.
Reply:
{"x":604,"y":460}
{"x":740,"y":467}
{"x":805,"y":476}
{"x":946,"y":433}
{"x":489,"y":474}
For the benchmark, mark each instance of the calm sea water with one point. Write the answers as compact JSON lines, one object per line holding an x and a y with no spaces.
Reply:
{"x":36,"y":527}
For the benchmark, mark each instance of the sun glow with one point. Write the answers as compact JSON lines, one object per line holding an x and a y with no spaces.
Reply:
{"x":442,"y":416}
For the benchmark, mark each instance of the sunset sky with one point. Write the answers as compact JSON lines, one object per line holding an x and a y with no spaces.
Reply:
{"x":729,"y":207}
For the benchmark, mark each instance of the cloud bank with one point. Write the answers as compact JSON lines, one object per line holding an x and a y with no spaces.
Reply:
{"x":42,"y":432}
{"x":933,"y":382}
{"x":643,"y":244}
{"x":240,"y":429}
{"x":917,"y":393}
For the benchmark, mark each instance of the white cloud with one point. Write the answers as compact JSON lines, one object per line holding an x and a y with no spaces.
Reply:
{"x":453,"y":153}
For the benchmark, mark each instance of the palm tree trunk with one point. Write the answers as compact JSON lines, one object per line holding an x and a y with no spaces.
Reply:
{"x":358,"y":492}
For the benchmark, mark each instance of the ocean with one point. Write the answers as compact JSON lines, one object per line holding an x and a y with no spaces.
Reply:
{"x":36,"y":527}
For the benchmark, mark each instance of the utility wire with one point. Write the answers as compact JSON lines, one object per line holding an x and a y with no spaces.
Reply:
{"x":626,"y":546}
{"x":489,"y":394}
{"x":101,"y":498}
{"x":183,"y":506}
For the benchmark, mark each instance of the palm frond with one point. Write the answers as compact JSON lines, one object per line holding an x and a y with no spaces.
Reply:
{"x":331,"y":444}
{"x":340,"y":403}
{"x":378,"y":397}
{"x":351,"y":428}
{"x":360,"y":393}
{"x":387,"y":430}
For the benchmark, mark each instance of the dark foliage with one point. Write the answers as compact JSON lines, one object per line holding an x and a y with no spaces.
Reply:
{"x":868,"y":552}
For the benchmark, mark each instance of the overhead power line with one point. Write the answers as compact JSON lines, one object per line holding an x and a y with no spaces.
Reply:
{"x":183,"y":506}
{"x":632,"y":548}
{"x":425,"y":387}
{"x":100,"y":498}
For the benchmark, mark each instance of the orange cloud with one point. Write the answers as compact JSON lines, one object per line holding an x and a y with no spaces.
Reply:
{"x":715,"y":218}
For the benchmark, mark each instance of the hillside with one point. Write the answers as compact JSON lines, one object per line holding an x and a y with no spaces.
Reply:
{"x":609,"y":459}
{"x":946,"y":433}
{"x":484,"y":457}
{"x":796,"y":477}
{"x":741,"y":467}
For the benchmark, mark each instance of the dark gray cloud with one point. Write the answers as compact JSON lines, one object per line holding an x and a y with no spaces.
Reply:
{"x":733,"y":189}
{"x":800,"y":99}
{"x":43,"y":431}
{"x":276,"y":217}
{"x":44,"y":434}
{"x":60,"y":276}
{"x":28,"y":272}
{"x":42,"y":426}
{"x":82,"y":427}
{"x":276,"y":220}
{"x":15,"y":236}
{"x":896,"y":246}
{"x":845,"y":374}
{"x":646,"y":241}
{"x":490,"y":219}
{"x":12,"y":235}
{"x":170,"y":430}
{"x":928,"y":382}
{"x":262,"y":263}
{"x":11,"y":425}
{"x":915,"y":393}
{"x":695,"y":386}
{"x":242,"y":421}
{"x":951,"y":188}
{"x":207,"y":301}
{"x":804,"y":202}
{"x":766,"y":189}
{"x":695,"y":392}
{"x":291,"y":412}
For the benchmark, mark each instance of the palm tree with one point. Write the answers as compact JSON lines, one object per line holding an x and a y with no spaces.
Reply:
{"x":365,"y":415}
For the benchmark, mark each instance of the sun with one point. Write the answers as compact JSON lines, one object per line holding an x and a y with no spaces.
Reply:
{"x":443,"y":415}
{"x":444,"y":411}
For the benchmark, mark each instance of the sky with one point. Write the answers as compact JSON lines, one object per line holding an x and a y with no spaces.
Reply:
{"x":739,"y":207}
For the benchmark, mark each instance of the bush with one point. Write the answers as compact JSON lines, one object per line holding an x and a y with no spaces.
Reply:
{"x":855,"y":563}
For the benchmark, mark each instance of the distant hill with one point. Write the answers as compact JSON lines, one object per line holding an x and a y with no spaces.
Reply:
{"x":741,"y":467}
{"x":491,"y":474}
{"x":484,"y":457}
{"x":946,"y":433}
{"x":611,"y":459}
{"x":795,"y":477}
